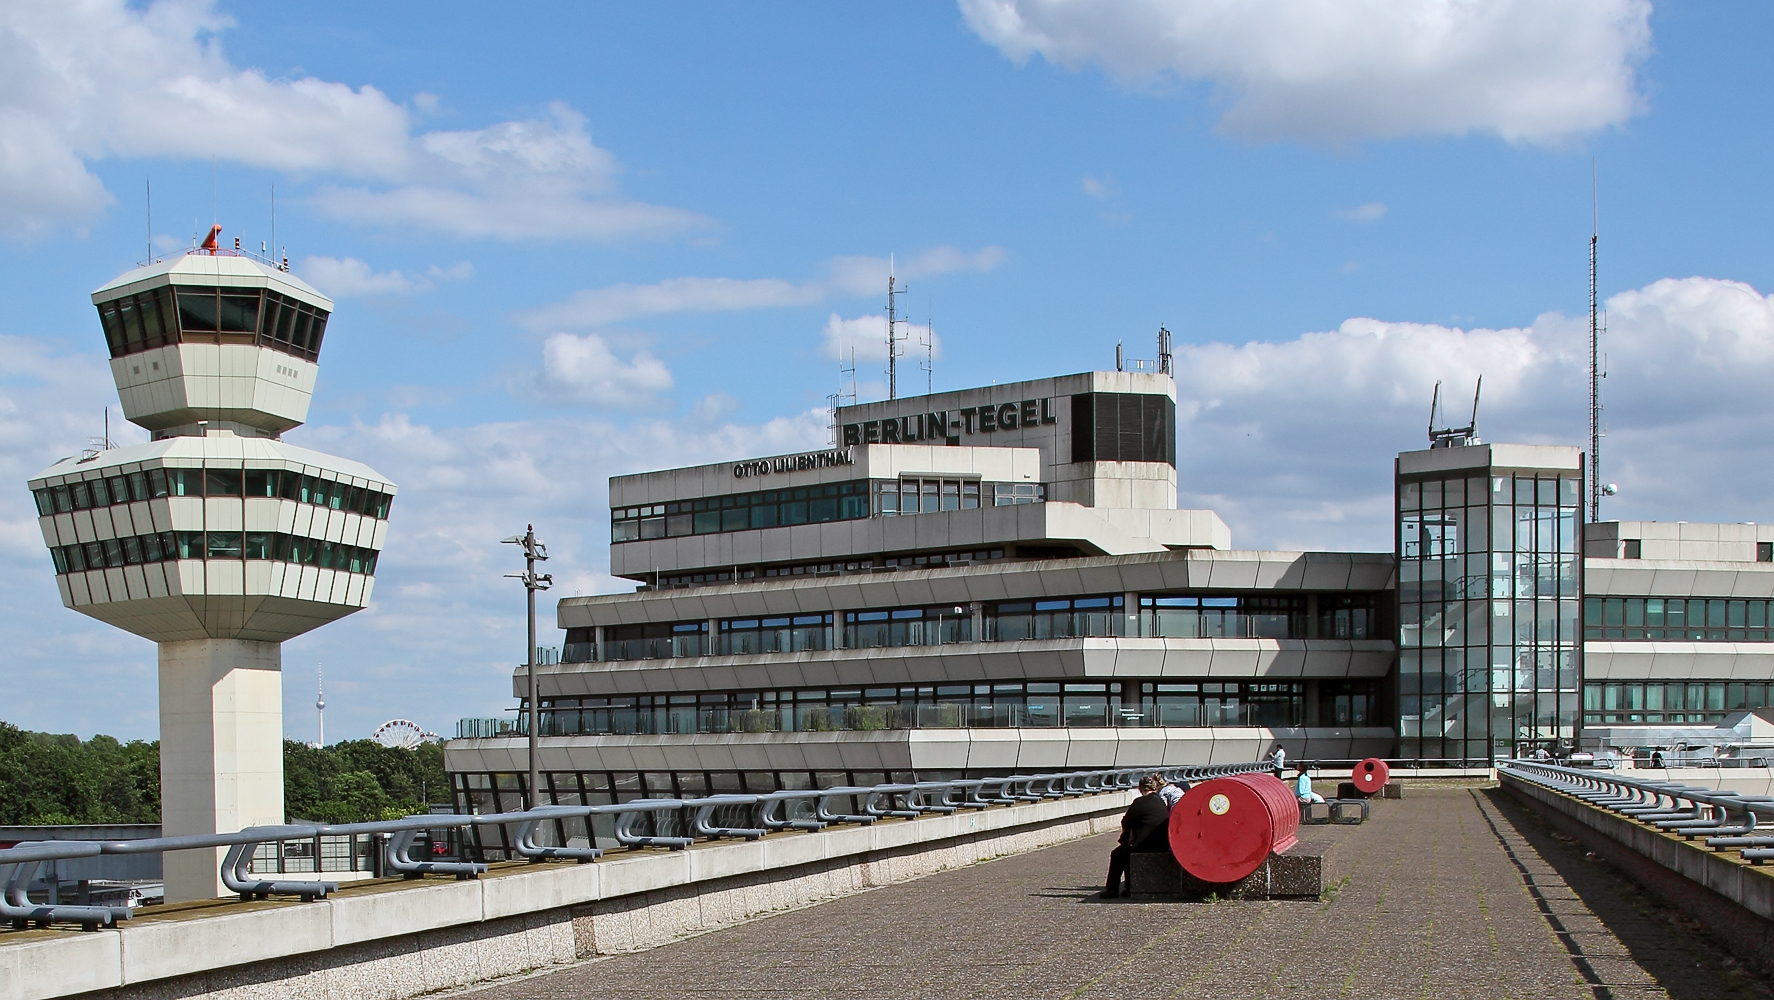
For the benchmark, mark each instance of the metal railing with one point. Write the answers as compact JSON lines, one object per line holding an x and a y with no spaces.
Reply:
{"x":637,"y":826}
{"x":1727,"y":820}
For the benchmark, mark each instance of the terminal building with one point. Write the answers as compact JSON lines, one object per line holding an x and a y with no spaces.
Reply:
{"x":999,"y":580}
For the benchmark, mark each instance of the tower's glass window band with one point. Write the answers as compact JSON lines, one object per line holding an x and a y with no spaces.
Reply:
{"x":195,"y":314}
{"x":153,"y":484}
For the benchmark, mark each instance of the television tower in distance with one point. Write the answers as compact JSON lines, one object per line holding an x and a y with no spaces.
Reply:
{"x":320,"y":702}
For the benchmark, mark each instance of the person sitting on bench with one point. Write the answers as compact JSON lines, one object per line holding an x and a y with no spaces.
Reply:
{"x":1303,"y":787}
{"x":1145,"y":828}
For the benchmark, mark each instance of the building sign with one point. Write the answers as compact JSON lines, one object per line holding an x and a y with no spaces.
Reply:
{"x":947,"y":426}
{"x":794,"y":463}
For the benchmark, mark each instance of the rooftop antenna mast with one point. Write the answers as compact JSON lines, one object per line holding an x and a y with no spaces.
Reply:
{"x":1454,"y":437}
{"x":1595,"y":372}
{"x":1164,"y":351}
{"x":150,"y":184}
{"x":928,"y":342}
{"x":841,"y":397}
{"x":893,"y":337}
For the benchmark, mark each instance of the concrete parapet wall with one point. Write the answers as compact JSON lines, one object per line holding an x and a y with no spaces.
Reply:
{"x":391,"y":940}
{"x":1734,"y":898}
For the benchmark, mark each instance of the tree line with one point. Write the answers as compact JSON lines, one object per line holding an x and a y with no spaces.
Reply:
{"x":58,"y":779}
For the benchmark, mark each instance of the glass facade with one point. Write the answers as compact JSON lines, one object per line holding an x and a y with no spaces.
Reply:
{"x":1490,"y":577}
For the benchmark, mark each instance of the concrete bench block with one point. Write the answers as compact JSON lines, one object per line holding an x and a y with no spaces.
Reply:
{"x":1348,"y":812}
{"x":1298,"y":874}
{"x":1315,"y":813}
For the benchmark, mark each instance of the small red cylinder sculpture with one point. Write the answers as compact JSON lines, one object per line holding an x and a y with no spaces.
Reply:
{"x":1370,"y":776}
{"x":1225,"y":828}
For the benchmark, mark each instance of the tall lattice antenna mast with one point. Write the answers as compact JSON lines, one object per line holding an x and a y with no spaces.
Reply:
{"x":320,"y":700}
{"x":893,"y":337}
{"x":928,"y":342}
{"x":1595,"y":375}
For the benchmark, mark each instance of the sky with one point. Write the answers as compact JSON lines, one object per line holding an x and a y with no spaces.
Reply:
{"x":596,"y":239}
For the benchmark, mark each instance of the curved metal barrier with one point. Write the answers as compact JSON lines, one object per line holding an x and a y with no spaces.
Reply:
{"x":1727,"y":820}
{"x":636,"y":827}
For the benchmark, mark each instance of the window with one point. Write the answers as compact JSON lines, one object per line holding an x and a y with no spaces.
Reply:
{"x":168,"y":545}
{"x":1765,"y":552}
{"x":907,"y":627}
{"x":927,"y":496}
{"x":741,"y":512}
{"x":1689,"y":619}
{"x":1632,"y":548}
{"x":787,"y":634}
{"x":655,"y":641}
{"x":1233,"y":617}
{"x":1054,"y":619}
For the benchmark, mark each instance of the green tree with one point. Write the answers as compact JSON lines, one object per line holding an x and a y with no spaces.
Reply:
{"x":58,"y":779}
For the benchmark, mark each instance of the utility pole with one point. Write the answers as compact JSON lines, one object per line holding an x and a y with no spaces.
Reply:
{"x":534,"y":551}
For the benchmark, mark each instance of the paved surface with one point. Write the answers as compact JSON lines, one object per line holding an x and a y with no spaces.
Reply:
{"x":1451,"y":892}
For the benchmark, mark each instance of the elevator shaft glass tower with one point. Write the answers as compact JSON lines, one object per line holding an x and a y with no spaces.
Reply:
{"x":215,"y":539}
{"x":1489,"y":591}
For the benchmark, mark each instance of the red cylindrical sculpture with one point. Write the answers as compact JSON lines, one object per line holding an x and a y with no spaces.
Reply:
{"x":1370,"y":776}
{"x":1224,"y":828}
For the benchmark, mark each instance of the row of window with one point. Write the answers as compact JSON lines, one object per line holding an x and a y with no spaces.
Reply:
{"x":1021,"y":704}
{"x":1340,"y":616}
{"x":1523,"y":491}
{"x":866,"y":564}
{"x":847,"y":501}
{"x":152,"y":484}
{"x":163,"y":316}
{"x":169,"y":545}
{"x":1695,"y":619}
{"x":1671,"y":701}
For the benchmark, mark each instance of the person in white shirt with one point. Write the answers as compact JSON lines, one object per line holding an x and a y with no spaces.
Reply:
{"x":1279,"y":759}
{"x":1173,"y":793}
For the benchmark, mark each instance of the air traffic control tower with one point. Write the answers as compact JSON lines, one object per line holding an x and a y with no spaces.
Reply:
{"x":215,"y":539}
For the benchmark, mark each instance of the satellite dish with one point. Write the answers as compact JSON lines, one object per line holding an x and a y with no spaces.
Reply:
{"x":401,"y":734}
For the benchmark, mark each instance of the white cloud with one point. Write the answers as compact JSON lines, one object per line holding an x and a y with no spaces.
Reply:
{"x":1370,"y":212}
{"x":865,"y":339}
{"x":1100,"y":188}
{"x":95,"y":79}
{"x":614,"y":303}
{"x":844,"y":276}
{"x":583,"y":369}
{"x":1527,"y":71}
{"x":1292,"y":442}
{"x":343,"y":277}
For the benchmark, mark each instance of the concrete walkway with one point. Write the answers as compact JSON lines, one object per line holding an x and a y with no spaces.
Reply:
{"x":1451,"y":892}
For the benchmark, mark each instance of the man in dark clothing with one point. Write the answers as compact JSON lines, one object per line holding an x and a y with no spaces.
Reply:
{"x":1145,"y":828}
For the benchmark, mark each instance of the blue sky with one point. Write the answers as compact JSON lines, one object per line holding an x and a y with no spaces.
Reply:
{"x":596,"y":239}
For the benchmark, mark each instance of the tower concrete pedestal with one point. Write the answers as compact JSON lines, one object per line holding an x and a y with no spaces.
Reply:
{"x":221,"y":750}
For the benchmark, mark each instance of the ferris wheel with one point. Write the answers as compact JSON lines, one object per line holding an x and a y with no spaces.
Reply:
{"x":401,"y":733}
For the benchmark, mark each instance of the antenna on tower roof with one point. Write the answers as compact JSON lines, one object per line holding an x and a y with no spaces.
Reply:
{"x":1454,"y":437}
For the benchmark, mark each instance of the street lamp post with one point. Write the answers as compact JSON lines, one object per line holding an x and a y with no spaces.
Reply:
{"x":534,"y":551}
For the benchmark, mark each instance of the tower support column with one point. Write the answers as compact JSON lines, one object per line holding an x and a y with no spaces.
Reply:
{"x":221,"y":750}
